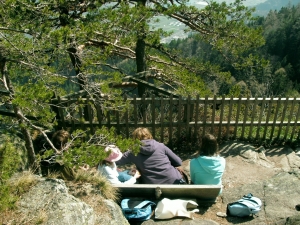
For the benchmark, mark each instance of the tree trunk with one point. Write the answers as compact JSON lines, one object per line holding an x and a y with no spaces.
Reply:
{"x":19,"y":115}
{"x":81,"y":79}
{"x":140,"y":62}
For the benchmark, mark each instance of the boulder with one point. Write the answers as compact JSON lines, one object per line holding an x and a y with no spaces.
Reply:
{"x":48,"y":202}
{"x":278,"y":194}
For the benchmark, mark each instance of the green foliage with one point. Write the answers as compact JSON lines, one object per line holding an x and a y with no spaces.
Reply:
{"x":85,"y":149}
{"x":9,"y":164}
{"x":50,"y":45}
{"x":9,"y":160}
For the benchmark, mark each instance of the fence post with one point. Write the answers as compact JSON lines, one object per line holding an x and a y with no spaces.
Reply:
{"x":205,"y":117}
{"x":221,"y":117}
{"x":229,"y":117}
{"x":171,"y":122}
{"x":153,"y":115}
{"x":161,"y":120}
{"x":196,"y":117}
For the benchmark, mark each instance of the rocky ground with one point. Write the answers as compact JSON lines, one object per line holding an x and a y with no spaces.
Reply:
{"x":272,"y":174}
{"x":251,"y":169}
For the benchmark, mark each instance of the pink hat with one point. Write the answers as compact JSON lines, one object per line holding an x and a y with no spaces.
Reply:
{"x":115,"y":154}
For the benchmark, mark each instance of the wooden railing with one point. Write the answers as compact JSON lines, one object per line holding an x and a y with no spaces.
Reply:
{"x":169,"y":118}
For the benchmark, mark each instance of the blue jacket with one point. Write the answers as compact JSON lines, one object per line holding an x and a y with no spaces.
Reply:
{"x":155,"y":161}
{"x":207,"y":170}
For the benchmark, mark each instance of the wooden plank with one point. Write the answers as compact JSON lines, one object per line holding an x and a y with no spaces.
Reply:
{"x":237,"y":116}
{"x":296,"y":119}
{"x":126,"y":120}
{"x":213,"y":117}
{"x":253,"y":113}
{"x":179,"y":118}
{"x":262,"y":109}
{"x":144,"y":107}
{"x":187,"y":119}
{"x":275,"y":117}
{"x":290,"y":118}
{"x":245,"y":117}
{"x":268,"y":118}
{"x":229,"y":117}
{"x":205,"y":115}
{"x":135,"y":112}
{"x":153,"y":116}
{"x":221,"y":117}
{"x":196,"y":117}
{"x":176,"y":124}
{"x":282,"y":118}
{"x":171,"y":122}
{"x":202,"y":192}
{"x":162,"y":120}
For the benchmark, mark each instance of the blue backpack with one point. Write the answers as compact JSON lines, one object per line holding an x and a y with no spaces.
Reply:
{"x":246,"y":206}
{"x":140,"y":212}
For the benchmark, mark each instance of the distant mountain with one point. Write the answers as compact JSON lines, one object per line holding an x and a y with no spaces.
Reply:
{"x":263,"y":9}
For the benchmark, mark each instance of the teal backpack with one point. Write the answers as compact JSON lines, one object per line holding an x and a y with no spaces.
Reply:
{"x":137,"y":210}
{"x":246,"y":206}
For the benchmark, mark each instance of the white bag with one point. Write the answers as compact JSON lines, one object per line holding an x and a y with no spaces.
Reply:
{"x":167,"y":208}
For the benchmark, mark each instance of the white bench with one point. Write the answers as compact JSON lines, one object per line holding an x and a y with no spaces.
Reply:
{"x":199,"y":192}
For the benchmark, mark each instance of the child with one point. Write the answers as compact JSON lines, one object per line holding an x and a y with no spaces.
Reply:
{"x":109,"y":169}
{"x":208,"y":167}
{"x":51,"y":165}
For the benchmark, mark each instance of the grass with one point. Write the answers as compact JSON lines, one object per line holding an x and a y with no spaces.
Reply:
{"x":21,"y":183}
{"x":99,"y":182}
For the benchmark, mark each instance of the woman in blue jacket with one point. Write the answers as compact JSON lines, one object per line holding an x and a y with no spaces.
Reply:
{"x":208,"y":167}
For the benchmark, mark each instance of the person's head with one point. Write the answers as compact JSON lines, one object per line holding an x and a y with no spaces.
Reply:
{"x":141,"y":133}
{"x":209,"y":145}
{"x":115,"y":153}
{"x":60,"y":139}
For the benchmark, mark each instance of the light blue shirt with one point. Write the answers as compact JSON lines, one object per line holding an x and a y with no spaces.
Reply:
{"x":207,"y":170}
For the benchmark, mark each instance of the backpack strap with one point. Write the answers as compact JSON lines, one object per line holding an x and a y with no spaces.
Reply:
{"x":124,"y":203}
{"x":143,"y":203}
{"x":250,"y":198}
{"x":249,"y":205}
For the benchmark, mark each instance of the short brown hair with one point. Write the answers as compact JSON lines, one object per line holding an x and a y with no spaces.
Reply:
{"x":60,"y":138}
{"x":142,"y":133}
{"x":209,"y":145}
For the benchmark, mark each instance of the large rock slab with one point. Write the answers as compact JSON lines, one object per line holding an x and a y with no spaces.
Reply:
{"x":49,"y":203}
{"x":279,"y":195}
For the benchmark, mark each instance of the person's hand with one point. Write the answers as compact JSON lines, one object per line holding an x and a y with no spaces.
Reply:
{"x":179,"y":169}
{"x":137,"y":174}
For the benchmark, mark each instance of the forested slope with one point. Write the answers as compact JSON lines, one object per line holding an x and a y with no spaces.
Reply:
{"x":279,"y":75}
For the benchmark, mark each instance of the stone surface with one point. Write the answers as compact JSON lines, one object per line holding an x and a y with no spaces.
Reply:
{"x":273,"y":175}
{"x":49,"y":203}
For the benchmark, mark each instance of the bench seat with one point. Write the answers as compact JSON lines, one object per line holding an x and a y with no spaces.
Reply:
{"x":200,"y":192}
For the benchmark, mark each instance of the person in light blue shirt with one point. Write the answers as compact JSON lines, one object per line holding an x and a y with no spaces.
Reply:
{"x":208,"y":167}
